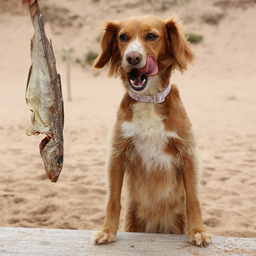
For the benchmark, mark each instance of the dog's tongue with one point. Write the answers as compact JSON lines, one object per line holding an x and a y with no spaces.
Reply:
{"x":150,"y":68}
{"x":138,"y":76}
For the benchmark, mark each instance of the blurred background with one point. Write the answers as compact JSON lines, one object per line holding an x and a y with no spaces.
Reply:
{"x":218,"y":91}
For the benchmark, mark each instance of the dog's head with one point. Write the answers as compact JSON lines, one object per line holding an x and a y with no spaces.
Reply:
{"x":144,"y":51}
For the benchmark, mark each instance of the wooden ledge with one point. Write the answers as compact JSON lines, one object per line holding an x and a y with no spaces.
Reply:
{"x":35,"y":241}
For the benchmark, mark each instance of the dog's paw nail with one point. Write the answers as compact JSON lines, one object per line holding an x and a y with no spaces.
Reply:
{"x":201,"y":239}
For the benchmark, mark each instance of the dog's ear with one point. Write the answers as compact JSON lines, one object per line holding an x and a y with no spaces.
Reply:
{"x":109,"y":49}
{"x":178,"y":46}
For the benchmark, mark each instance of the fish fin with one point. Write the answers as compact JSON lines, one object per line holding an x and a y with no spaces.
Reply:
{"x":32,"y":130}
{"x":32,"y":43}
{"x":59,"y":82}
{"x":61,"y":98}
{"x":29,"y":75}
{"x":51,"y":43}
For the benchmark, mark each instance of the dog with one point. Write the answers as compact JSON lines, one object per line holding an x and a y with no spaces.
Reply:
{"x":152,"y":146}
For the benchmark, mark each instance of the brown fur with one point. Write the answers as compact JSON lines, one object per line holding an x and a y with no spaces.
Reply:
{"x":162,"y":192}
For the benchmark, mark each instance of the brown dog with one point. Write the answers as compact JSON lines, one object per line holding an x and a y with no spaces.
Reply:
{"x":152,"y":145}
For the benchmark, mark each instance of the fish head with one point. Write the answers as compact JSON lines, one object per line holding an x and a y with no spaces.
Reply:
{"x":52,"y":155}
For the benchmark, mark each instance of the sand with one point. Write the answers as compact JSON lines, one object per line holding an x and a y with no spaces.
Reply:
{"x":218,"y":92}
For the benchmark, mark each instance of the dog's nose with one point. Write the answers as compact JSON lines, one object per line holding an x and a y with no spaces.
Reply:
{"x":133,"y":58}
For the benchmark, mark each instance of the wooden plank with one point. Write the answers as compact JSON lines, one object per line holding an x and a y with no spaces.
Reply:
{"x":26,"y":241}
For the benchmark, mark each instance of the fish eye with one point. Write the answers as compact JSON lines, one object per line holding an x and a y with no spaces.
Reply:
{"x":151,"y":37}
{"x":124,"y":38}
{"x":60,"y":160}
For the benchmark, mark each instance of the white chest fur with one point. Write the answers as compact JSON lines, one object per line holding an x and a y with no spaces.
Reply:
{"x":149,"y":136}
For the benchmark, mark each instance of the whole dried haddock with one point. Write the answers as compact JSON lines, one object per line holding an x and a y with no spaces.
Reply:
{"x":44,"y":98}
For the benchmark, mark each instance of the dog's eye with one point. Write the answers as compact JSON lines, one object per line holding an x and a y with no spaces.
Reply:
{"x":124,"y":38}
{"x":151,"y":37}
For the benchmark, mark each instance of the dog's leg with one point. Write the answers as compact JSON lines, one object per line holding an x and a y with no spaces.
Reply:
{"x":115,"y":173}
{"x":108,"y":230}
{"x":196,"y":231}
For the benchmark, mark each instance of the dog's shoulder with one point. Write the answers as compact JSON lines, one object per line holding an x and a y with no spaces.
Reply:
{"x":174,"y":99}
{"x":174,"y":108}
{"x":124,"y":112}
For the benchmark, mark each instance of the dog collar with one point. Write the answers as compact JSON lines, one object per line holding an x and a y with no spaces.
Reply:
{"x":157,"y":98}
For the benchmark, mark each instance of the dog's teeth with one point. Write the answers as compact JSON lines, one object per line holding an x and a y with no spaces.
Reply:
{"x":131,"y":82}
{"x":144,"y":80}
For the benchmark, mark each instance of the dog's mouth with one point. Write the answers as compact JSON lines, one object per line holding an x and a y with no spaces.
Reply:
{"x":138,"y":77}
{"x":137,"y":81}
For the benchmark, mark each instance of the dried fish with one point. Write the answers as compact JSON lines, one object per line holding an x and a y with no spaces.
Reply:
{"x":44,"y":97}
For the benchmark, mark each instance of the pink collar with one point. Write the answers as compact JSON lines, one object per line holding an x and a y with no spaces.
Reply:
{"x":157,"y":98}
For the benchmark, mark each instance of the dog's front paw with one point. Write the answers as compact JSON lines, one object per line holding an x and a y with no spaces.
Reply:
{"x":200,"y":238}
{"x":104,"y":236}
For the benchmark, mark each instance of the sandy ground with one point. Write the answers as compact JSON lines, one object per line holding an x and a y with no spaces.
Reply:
{"x":219,"y":93}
